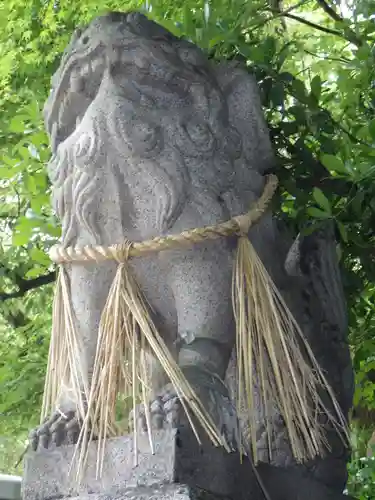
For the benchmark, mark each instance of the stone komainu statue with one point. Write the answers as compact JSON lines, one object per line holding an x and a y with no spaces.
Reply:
{"x":149,"y":138}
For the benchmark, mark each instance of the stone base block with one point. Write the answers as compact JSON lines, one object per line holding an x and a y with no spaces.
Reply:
{"x":180,"y":469}
{"x":170,"y":492}
{"x":47,"y":473}
{"x":178,"y":460}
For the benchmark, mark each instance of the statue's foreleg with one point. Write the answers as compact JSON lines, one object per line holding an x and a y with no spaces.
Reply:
{"x":90,"y":284}
{"x":200,"y":279}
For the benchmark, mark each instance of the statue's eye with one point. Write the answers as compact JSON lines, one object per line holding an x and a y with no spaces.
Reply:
{"x":85,"y":40}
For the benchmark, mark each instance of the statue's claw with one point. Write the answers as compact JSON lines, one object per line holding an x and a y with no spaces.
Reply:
{"x":57,"y":430}
{"x":164,"y":411}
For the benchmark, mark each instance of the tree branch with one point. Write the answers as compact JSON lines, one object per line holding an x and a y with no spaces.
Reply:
{"x":352,"y":38}
{"x":277,"y":13}
{"x":330,"y":31}
{"x":330,"y":11}
{"x":27,"y":285}
{"x":337,"y":59}
{"x":339,"y":19}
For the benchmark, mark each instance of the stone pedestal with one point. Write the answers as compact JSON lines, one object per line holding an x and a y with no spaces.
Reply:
{"x":170,"y":492}
{"x":179,"y":469}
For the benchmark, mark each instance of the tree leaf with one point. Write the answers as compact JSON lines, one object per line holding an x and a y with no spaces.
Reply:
{"x":322,"y":200}
{"x":299,"y":90}
{"x":277,"y":94}
{"x":371,"y":127}
{"x":334,"y":163}
{"x":317,"y":213}
{"x":343,"y":231}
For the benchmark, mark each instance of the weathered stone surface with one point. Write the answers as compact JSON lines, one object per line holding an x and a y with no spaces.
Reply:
{"x":178,"y":458}
{"x":47,"y":472}
{"x":167,"y":142}
{"x":180,"y":469}
{"x":151,"y":138}
{"x":171,"y":492}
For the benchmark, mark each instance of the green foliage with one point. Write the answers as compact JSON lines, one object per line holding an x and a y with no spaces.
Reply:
{"x":361,"y":469}
{"x":316,"y":75}
{"x":362,"y":478}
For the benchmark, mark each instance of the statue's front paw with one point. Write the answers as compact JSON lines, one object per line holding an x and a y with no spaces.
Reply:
{"x":166,"y":410}
{"x":57,"y":430}
{"x":163,"y":411}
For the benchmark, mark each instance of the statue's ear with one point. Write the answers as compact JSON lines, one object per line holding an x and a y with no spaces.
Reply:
{"x":246,"y":115}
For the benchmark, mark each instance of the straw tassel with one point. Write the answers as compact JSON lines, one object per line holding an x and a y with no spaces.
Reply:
{"x":269,"y":355}
{"x":126,"y":329}
{"x":64,"y":369}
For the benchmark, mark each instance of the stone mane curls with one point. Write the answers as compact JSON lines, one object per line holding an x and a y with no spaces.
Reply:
{"x":75,"y":181}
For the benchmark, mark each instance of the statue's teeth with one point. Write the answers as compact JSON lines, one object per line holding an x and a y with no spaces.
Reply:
{"x":95,"y":64}
{"x":77,"y":82}
{"x":85,"y":70}
{"x":124,"y":57}
{"x":53,"y":136}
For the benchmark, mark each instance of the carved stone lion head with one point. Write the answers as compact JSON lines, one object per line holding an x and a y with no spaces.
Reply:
{"x":131,"y":97}
{"x":147,"y":64}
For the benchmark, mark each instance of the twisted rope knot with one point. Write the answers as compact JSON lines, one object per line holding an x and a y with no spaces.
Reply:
{"x":120,"y":252}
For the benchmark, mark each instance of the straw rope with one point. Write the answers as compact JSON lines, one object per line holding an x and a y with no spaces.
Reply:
{"x":239,"y":225}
